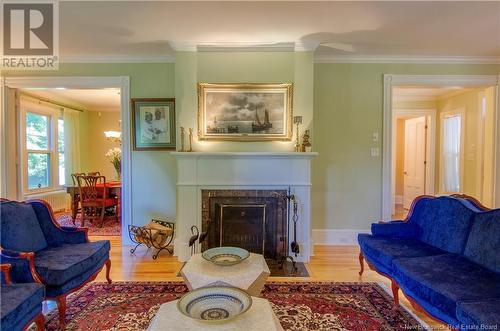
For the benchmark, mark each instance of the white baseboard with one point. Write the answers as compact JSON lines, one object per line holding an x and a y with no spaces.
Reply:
{"x":341,"y":237}
{"x":398,"y":199}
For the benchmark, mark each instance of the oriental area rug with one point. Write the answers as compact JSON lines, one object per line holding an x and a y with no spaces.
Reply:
{"x":111,"y":227}
{"x":298,"y":306}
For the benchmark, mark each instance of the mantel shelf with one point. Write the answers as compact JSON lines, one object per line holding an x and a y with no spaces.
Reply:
{"x":247,"y":154}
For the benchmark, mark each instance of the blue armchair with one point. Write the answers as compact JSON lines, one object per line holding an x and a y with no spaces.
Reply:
{"x":61,"y":258}
{"x":21,"y":304}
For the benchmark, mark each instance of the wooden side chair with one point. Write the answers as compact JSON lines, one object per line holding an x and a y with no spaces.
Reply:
{"x":93,"y":198}
{"x":76,"y":199}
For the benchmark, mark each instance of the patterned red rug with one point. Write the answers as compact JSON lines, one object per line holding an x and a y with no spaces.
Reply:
{"x":299,"y":306}
{"x":110,"y":227}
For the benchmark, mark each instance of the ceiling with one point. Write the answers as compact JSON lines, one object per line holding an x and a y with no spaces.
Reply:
{"x":102,"y":100}
{"x":425,"y":93}
{"x":401,"y":28}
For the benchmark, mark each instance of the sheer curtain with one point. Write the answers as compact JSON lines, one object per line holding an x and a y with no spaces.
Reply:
{"x":451,"y":153}
{"x":71,"y":143}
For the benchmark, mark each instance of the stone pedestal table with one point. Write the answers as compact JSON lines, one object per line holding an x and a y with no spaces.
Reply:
{"x":250,"y":274}
{"x":259,"y":317}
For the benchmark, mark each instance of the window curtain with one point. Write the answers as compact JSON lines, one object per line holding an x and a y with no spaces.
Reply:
{"x":451,"y":153}
{"x":71,"y":143}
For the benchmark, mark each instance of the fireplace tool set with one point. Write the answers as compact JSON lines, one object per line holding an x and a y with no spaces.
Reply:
{"x":294,"y":245}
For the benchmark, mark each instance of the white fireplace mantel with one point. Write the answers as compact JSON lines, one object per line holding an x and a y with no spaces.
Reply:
{"x":240,"y":170}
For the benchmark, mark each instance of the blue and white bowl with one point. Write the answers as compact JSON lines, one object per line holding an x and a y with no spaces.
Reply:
{"x":215,"y":304}
{"x":225,"y":255}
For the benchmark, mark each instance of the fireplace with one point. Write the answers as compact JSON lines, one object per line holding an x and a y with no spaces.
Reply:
{"x":234,"y":177}
{"x":250,"y":219}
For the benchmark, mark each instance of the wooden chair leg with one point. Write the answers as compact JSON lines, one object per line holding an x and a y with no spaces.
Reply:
{"x":361,"y":263}
{"x":103,"y":213}
{"x":108,"y":269}
{"x":40,"y":322}
{"x":61,"y":307}
{"x":395,"y":292}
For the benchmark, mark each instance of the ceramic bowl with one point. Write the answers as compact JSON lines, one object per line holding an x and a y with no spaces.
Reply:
{"x":225,"y":255}
{"x":215,"y":303}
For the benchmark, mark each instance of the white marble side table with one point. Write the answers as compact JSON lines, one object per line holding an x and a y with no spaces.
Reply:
{"x":250,"y":274}
{"x":258,"y":318}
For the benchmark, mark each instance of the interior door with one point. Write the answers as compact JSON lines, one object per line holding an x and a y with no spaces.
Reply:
{"x":414,"y":159}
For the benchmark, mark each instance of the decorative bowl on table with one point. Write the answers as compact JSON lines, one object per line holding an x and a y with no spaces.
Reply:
{"x":214,"y":303}
{"x":225,"y":255}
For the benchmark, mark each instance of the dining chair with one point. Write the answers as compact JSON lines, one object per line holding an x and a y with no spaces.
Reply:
{"x":93,"y":198}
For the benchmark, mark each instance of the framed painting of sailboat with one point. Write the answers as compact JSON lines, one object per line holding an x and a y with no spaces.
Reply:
{"x":245,"y":112}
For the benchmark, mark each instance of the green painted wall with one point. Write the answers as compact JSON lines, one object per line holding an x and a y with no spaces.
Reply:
{"x":347,"y":100}
{"x":348,"y":107}
{"x":242,"y":67}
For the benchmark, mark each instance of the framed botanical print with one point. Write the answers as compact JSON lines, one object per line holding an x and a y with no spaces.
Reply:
{"x":245,"y":112}
{"x":153,"y":124}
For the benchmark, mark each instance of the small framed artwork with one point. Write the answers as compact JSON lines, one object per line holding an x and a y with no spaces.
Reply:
{"x":153,"y":124}
{"x":245,"y":112}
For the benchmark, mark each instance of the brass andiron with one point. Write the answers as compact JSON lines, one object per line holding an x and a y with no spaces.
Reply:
{"x":190,"y":140}
{"x":182,"y":139}
{"x":297,"y":120}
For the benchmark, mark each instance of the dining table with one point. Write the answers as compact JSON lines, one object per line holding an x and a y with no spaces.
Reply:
{"x":113,"y":188}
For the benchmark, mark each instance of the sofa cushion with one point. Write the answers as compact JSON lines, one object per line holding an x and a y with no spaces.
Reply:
{"x":443,"y":280}
{"x":20,"y":230}
{"x":385,"y":250}
{"x":483,"y":245}
{"x":444,"y":222}
{"x":58,"y":265}
{"x":395,"y":229}
{"x":477,"y":315}
{"x":19,"y":304}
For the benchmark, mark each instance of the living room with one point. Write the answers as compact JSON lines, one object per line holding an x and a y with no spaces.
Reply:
{"x":320,"y":161}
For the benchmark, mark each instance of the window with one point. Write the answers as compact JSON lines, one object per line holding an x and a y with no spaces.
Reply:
{"x":43,"y":148}
{"x":60,"y":150}
{"x":452,"y":152}
{"x":38,"y":150}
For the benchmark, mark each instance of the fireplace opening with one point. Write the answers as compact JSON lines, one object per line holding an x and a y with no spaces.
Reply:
{"x":243,"y":226}
{"x":251,"y":219}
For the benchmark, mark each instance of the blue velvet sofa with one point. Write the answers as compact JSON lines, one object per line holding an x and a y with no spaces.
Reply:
{"x":61,"y":258}
{"x":445,"y":257}
{"x":20,"y":304}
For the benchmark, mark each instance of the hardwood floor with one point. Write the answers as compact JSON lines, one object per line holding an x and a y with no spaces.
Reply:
{"x":329,"y":263}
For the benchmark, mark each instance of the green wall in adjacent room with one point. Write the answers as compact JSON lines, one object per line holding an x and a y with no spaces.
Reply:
{"x":348,"y":108}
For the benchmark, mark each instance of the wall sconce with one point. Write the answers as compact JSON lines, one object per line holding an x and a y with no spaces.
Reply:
{"x":114,"y":136}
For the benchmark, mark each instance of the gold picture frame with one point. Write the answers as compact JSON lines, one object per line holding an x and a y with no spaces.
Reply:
{"x":245,"y":112}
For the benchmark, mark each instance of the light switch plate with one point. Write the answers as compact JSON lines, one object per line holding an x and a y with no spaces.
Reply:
{"x":375,"y":136}
{"x":374,"y":151}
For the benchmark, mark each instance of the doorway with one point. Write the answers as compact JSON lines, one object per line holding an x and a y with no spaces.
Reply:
{"x":414,"y":157}
{"x":442,"y":139}
{"x":118,"y":86}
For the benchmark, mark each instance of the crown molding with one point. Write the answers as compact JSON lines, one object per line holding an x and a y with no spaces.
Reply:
{"x":242,"y":46}
{"x":414,"y":59}
{"x":117,"y":59}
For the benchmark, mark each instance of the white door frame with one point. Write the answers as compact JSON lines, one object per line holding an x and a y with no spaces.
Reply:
{"x":391,"y":81}
{"x":430,"y":151}
{"x":121,"y":82}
